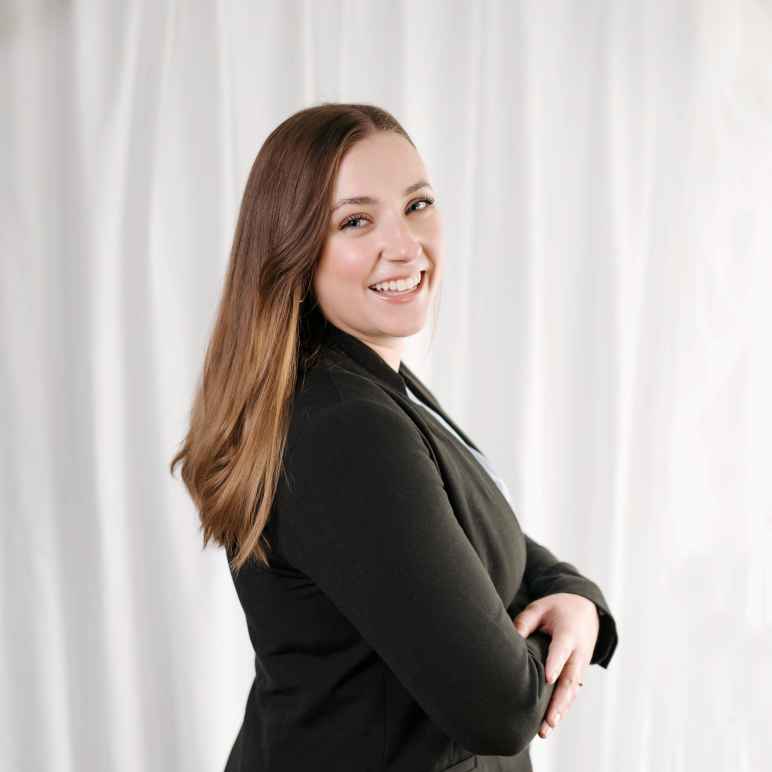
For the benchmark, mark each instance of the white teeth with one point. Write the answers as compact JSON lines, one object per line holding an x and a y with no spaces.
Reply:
{"x":400,"y":284}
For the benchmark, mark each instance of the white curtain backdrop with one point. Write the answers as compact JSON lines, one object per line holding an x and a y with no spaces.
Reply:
{"x":605,"y":170}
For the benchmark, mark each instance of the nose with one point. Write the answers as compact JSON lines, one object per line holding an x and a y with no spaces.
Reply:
{"x":401,"y":245}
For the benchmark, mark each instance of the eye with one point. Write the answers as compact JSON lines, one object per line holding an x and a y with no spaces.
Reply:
{"x":354,"y":217}
{"x":345,"y":224}
{"x":428,"y":201}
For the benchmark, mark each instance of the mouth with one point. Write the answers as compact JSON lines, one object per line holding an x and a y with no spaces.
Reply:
{"x":402,"y":293}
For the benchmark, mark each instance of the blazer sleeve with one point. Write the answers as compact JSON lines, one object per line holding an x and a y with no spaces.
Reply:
{"x":546,"y":575}
{"x":367,"y":518}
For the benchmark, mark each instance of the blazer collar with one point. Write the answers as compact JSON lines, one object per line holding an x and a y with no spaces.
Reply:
{"x":385,"y":374}
{"x":366,"y":357}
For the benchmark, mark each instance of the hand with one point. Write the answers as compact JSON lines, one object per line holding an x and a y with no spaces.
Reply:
{"x":573,"y":623}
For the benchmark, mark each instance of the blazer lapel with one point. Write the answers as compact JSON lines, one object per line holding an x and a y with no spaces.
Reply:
{"x":423,"y":392}
{"x":387,"y":376}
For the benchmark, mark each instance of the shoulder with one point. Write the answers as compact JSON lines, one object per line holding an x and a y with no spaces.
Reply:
{"x":335,"y":375}
{"x":337,"y":401}
{"x":363,"y":427}
{"x":356,"y":456}
{"x":344,"y":424}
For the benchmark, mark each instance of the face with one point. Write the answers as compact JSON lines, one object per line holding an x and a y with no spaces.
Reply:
{"x":395,"y":234}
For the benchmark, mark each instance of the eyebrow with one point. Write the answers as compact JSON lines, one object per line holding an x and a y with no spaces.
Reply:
{"x":370,"y":200}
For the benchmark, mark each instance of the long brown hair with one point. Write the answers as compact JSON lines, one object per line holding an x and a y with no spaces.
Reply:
{"x":268,"y":325}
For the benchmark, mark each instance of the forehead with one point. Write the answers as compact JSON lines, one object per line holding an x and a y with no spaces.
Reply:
{"x":383,"y":162}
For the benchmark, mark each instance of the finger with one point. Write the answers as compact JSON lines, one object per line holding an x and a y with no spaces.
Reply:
{"x":565,"y":691}
{"x":573,"y":671}
{"x":560,"y":650}
{"x":528,"y":619}
{"x":559,"y":703}
{"x":544,"y":730}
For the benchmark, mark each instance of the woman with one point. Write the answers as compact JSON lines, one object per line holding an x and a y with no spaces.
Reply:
{"x":374,"y":551}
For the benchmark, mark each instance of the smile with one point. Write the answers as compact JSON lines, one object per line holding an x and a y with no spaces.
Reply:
{"x":404,"y":295}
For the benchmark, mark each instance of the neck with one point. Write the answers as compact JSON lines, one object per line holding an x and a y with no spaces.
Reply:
{"x":392,"y":356}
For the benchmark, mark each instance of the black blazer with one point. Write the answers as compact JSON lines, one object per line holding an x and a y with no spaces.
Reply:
{"x":383,"y":631}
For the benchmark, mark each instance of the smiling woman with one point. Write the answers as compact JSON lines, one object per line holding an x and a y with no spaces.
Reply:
{"x":388,"y":249}
{"x":382,"y":624}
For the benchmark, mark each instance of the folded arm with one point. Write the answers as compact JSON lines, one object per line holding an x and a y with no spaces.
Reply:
{"x":366,"y":516}
{"x":546,"y":575}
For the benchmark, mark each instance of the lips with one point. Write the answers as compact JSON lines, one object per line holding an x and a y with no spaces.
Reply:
{"x":398,"y":278}
{"x":405,"y":296}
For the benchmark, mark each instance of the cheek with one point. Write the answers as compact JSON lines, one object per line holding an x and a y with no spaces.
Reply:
{"x":433,"y":236}
{"x":343,"y":268}
{"x":436,"y":246}
{"x":351,"y":266}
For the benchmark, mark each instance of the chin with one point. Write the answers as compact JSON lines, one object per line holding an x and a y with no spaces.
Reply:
{"x":403,"y":330}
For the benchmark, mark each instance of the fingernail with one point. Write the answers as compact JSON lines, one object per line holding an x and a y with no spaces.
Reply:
{"x":547,"y":730}
{"x":557,"y":717}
